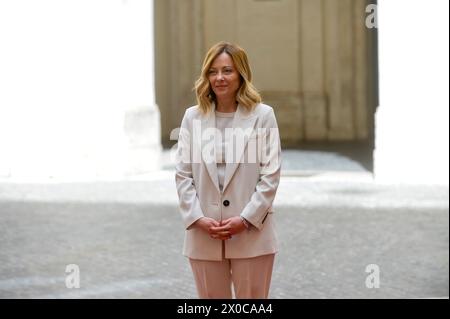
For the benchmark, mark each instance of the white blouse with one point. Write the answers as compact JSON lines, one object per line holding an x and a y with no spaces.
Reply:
{"x":223,"y":121}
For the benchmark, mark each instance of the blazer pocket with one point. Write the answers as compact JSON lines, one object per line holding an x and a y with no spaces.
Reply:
{"x":267,"y":214}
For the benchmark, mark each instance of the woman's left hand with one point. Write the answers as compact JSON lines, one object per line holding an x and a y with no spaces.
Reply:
{"x":228,"y":227}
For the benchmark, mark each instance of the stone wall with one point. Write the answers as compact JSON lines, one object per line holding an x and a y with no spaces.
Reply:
{"x":313,"y":61}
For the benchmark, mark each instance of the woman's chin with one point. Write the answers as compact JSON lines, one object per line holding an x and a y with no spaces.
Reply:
{"x":223,"y":94}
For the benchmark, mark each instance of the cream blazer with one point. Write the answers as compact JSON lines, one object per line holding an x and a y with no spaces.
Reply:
{"x":251,"y":181}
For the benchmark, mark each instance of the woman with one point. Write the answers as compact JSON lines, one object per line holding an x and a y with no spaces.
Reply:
{"x":227,"y":174}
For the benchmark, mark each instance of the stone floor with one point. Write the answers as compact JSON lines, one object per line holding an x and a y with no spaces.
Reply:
{"x":126,"y":236}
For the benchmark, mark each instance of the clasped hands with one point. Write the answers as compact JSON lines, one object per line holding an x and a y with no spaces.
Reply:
{"x":221,"y":230}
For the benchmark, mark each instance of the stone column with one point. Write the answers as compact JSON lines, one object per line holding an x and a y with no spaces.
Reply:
{"x":412,"y":118}
{"x":77,"y":94}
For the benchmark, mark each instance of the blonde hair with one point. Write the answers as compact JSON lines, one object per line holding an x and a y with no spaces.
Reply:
{"x":247,"y":95}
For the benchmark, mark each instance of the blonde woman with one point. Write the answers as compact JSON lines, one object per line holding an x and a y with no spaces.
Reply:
{"x":227,"y":174}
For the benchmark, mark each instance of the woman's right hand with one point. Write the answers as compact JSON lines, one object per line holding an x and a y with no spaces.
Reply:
{"x":206,"y":224}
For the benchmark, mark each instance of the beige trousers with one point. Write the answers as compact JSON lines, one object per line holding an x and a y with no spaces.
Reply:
{"x":250,"y":277}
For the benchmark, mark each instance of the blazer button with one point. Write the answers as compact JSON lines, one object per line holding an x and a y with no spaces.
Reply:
{"x":226,"y":202}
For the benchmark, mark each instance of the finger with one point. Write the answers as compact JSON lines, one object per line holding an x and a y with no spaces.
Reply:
{"x":221,"y":234}
{"x":222,"y":237}
{"x":212,"y":222}
{"x":215,"y":223}
{"x":214,"y":226}
{"x":219,"y":229}
{"x":211,"y":229}
{"x":225,"y":221}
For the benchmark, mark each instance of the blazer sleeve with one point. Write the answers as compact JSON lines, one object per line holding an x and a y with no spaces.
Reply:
{"x":261,"y":200}
{"x":189,"y":204}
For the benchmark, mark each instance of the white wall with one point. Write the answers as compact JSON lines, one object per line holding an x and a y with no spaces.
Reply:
{"x":69,"y":71}
{"x":412,"y":126}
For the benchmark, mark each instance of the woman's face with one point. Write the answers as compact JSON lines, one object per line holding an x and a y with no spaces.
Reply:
{"x":223,"y":77}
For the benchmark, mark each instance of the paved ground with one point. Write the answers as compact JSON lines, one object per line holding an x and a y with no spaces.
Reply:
{"x":126,"y":236}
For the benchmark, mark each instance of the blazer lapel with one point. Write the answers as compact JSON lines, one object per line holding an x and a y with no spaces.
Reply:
{"x":208,"y":145}
{"x":243,"y":122}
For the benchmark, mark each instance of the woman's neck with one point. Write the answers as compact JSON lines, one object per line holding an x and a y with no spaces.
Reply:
{"x":227,"y":106}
